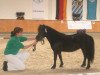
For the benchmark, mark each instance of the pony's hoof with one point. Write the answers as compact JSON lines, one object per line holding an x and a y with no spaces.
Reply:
{"x":88,"y":67}
{"x":83,"y":65}
{"x":61,"y":66}
{"x":33,"y":50}
{"x":53,"y":67}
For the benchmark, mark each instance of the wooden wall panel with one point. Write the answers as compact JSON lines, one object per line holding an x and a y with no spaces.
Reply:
{"x":31,"y":26}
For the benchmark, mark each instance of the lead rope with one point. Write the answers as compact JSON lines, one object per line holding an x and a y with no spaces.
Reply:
{"x":34,"y":47}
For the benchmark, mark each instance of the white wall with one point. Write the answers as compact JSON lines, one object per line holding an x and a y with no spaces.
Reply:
{"x":98,"y":10}
{"x":8,"y":8}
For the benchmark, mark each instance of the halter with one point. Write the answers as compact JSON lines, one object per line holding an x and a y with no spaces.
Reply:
{"x":42,"y":41}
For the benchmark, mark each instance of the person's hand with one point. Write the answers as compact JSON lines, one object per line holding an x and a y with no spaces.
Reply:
{"x":34,"y":45}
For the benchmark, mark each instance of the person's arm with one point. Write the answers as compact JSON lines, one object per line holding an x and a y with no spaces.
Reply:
{"x":31,"y":39}
{"x":28,"y":39}
{"x":6,"y":37}
{"x":25,"y":47}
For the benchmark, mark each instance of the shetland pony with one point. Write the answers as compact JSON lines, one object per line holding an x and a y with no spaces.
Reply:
{"x":68,"y":43}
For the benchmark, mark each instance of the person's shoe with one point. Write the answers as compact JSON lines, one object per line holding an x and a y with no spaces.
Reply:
{"x":5,"y":66}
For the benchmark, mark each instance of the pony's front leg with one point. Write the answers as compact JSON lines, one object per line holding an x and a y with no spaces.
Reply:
{"x":88,"y":65}
{"x":55,"y":58}
{"x":60,"y":57}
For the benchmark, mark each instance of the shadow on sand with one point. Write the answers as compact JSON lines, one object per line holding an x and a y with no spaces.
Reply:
{"x":51,"y":72}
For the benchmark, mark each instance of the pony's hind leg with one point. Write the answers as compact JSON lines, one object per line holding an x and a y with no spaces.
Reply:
{"x":55,"y":58}
{"x":60,"y":57}
{"x":84,"y":60}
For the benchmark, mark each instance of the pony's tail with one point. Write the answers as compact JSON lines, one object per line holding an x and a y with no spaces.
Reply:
{"x":81,"y":31}
{"x":91,"y":51}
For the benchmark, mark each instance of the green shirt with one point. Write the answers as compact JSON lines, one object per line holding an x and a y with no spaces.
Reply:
{"x":14,"y":45}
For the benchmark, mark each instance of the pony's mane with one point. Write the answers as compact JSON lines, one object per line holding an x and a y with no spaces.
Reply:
{"x":55,"y":31}
{"x":81,"y":31}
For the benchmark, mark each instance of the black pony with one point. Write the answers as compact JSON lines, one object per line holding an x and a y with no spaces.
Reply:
{"x":68,"y":43}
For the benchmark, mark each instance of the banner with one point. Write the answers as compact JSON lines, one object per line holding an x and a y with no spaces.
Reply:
{"x":91,"y":9}
{"x":39,"y":9}
{"x":79,"y":25}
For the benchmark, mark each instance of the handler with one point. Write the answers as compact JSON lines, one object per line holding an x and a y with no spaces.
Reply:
{"x":15,"y":59}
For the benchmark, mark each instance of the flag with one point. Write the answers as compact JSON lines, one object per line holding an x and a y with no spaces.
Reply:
{"x":77,"y":9}
{"x":91,"y":9}
{"x":61,"y":9}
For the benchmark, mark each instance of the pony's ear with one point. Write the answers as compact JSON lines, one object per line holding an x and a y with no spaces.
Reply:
{"x":43,"y":24}
{"x":84,"y":29}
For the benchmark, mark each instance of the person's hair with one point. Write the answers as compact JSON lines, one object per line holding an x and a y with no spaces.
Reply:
{"x":16,"y":30}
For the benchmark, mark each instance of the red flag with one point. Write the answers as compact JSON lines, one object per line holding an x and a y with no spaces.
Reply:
{"x":61,"y":9}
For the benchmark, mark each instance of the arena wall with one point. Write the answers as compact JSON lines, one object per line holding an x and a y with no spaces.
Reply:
{"x":31,"y":25}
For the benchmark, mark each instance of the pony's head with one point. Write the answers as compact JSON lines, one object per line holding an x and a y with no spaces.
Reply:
{"x":42,"y":31}
{"x":41,"y":35}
